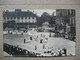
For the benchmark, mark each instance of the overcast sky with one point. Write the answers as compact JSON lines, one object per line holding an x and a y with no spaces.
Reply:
{"x":39,"y":12}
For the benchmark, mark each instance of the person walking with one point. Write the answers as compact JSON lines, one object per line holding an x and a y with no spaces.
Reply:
{"x":31,"y":38}
{"x":24,"y":41}
{"x":65,"y":51}
{"x":35,"y":47}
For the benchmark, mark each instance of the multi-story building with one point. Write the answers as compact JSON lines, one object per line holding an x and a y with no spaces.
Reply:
{"x":19,"y":18}
{"x":65,"y":22}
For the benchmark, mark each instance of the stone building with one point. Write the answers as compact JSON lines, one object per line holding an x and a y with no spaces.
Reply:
{"x":19,"y":19}
{"x":65,"y":22}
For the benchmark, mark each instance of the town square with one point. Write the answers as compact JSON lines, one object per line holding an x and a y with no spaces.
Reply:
{"x":39,"y":33}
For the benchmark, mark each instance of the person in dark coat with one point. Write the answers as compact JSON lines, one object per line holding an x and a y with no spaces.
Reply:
{"x":65,"y":51}
{"x":24,"y":40}
{"x":60,"y":53}
{"x":41,"y":40}
{"x":30,"y":38}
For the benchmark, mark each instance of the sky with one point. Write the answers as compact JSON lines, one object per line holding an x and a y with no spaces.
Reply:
{"x":39,"y":12}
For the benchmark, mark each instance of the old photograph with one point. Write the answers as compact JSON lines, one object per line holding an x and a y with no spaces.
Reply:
{"x":39,"y":32}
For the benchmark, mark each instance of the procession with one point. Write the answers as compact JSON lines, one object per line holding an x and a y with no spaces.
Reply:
{"x":40,"y":42}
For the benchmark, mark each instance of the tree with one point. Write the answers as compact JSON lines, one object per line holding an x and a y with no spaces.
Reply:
{"x":45,"y":16}
{"x":52,"y":19}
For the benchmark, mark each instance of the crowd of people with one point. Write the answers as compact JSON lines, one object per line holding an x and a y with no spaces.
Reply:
{"x":17,"y":51}
{"x":57,"y":52}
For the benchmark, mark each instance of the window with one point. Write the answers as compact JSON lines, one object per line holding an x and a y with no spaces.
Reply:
{"x":14,"y":17}
{"x":11,"y":18}
{"x":25,"y":17}
{"x":24,"y":21}
{"x":21,"y":17}
{"x":73,"y":20}
{"x":73,"y":12}
{"x":64,"y":13}
{"x":27,"y":20}
{"x":68,"y":12}
{"x":4,"y":17}
{"x":29,"y":17}
{"x":7,"y":17}
{"x":34,"y":21}
{"x":18,"y":17}
{"x":33,"y":17}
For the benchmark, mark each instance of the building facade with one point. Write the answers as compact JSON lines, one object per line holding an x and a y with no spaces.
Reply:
{"x":19,"y":18}
{"x":65,"y":23}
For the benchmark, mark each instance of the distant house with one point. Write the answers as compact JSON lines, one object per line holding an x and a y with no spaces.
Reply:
{"x":19,"y":18}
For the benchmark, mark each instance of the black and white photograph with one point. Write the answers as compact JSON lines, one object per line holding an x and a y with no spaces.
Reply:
{"x":39,"y":32}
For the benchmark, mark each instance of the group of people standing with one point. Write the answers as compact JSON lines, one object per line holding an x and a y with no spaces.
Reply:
{"x":57,"y":52}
